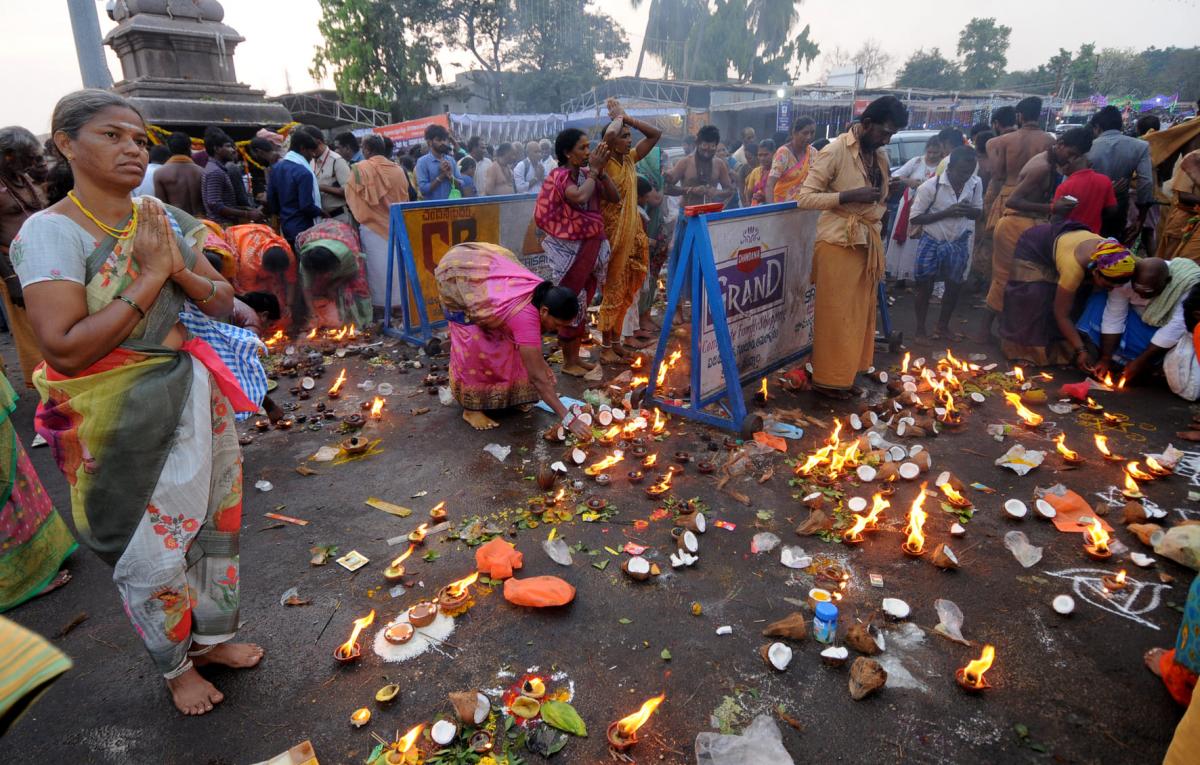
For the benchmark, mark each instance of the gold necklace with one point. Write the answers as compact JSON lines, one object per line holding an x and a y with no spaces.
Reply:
{"x":117,"y":233}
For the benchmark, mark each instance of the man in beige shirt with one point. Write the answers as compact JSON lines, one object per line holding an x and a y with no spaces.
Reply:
{"x":1010,"y":152}
{"x":848,"y":182}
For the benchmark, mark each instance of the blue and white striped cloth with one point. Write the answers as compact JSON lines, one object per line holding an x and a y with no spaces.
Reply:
{"x":238,"y":348}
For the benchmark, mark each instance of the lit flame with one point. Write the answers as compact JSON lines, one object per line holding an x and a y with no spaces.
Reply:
{"x":1096,"y":536}
{"x":341,"y":334}
{"x":638,"y":381}
{"x":1121,"y":383}
{"x":312,"y":335}
{"x":627,"y":727}
{"x":562,"y":492}
{"x":406,"y":744}
{"x":353,"y":332}
{"x":396,"y":563}
{"x":1031,"y":418}
{"x":275,"y":338}
{"x":973,"y":672}
{"x":835,"y":437}
{"x":637,"y":363}
{"x":663,"y":486}
{"x":904,"y":364}
{"x":339,"y":382}
{"x":605,"y":464}
{"x":347,"y":648}
{"x":650,"y":460}
{"x":763,"y":389}
{"x":377,"y":408}
{"x":880,"y":504}
{"x":916,"y":523}
{"x":418,"y":534}
{"x":1120,"y":579}
{"x":1155,"y":467}
{"x":1131,"y":486}
{"x":672,"y":360}
{"x":815,"y":460}
{"x":952,"y":495}
{"x":1137,"y":473}
{"x":1019,"y":373}
{"x":1108,"y":381}
{"x":1102,"y":445}
{"x":854,"y":533}
{"x":456,"y":589}
{"x":1046,"y":376}
{"x":1093,"y":404}
{"x":660,"y":422}
{"x":439,"y":507}
{"x":612,"y":433}
{"x":634,"y":425}
{"x":1061,"y":444}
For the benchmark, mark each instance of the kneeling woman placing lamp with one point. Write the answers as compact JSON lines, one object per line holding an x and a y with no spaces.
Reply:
{"x":497,"y":310}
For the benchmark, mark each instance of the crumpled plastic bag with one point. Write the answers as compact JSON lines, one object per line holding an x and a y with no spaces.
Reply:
{"x":760,"y":743}
{"x":498,"y":451}
{"x":950,"y":619}
{"x":1021,"y":460}
{"x":558,"y":551}
{"x":1025,"y":553}
{"x":794,"y":557}
{"x":764,"y":541}
{"x":1182,"y":545}
{"x":445,"y":396}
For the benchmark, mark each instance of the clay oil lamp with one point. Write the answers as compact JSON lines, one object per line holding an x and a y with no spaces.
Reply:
{"x":455,"y":598}
{"x":649,"y":461}
{"x":854,"y":534}
{"x":399,"y":633}
{"x":355,"y":445}
{"x":360,"y":717}
{"x":609,"y":437}
{"x":596,"y":503}
{"x":376,"y":408}
{"x":659,"y":489}
{"x":354,"y":420}
{"x":914,"y":545}
{"x":636,"y":476}
{"x":953,"y":498}
{"x":603,"y":479}
{"x":417,"y":535}
{"x":1092,"y":405}
{"x":336,"y":389}
{"x":1030,"y":418}
{"x":762,"y":396}
{"x":1102,"y":447}
{"x":1095,"y":541}
{"x":480,"y":742}
{"x":437,"y":513}
{"x":971,"y":677}
{"x":706,"y":467}
{"x":405,"y":751}
{"x":1137,"y":474}
{"x":622,"y":734}
{"x":422,"y":614}
{"x":597,"y":469}
{"x":285,"y":424}
{"x":395,"y":570}
{"x":683,"y":457}
{"x":1114,"y":583}
{"x":1069,"y":456}
{"x":638,"y":450}
{"x":1157,"y":469}
{"x":262,"y":425}
{"x":1132,"y":490}
{"x":350,"y":651}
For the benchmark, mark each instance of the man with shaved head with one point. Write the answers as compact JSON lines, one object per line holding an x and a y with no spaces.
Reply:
{"x":531,"y":171}
{"x":1139,"y":321}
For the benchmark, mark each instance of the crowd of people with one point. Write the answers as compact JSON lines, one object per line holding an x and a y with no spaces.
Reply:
{"x":134,"y":270}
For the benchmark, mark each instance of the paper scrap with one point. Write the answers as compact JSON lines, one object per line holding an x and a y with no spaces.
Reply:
{"x":353,"y":560}
{"x":286,"y":519}
{"x":388,"y":507}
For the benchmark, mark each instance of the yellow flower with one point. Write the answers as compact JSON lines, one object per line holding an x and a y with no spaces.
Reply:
{"x":488,"y":760}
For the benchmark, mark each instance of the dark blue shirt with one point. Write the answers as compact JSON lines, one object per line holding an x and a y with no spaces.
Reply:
{"x":290,"y":194}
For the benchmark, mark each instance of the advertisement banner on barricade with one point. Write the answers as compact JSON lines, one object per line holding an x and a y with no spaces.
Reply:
{"x":422,"y":232}
{"x":747,"y":274}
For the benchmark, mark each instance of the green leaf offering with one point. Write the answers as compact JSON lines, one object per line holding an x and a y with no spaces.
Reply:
{"x":563,"y":716}
{"x":623,"y":620}
{"x":666,"y":655}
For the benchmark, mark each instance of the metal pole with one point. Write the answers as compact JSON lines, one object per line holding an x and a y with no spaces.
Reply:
{"x":85,"y":24}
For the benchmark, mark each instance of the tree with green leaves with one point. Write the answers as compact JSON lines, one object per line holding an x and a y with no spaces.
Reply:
{"x":381,"y":53}
{"x":983,"y":45}
{"x":929,"y":70}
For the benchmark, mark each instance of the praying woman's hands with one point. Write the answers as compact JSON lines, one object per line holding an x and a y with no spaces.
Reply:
{"x":599,"y":158}
{"x":154,"y":247}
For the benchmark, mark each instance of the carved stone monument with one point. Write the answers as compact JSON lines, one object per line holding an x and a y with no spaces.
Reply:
{"x":177,"y":65}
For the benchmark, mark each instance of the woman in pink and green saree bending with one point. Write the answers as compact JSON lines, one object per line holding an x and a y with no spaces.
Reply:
{"x":139,"y":412}
{"x":497,"y":311}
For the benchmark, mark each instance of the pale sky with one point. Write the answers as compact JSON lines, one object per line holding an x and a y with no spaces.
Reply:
{"x":38,"y":55}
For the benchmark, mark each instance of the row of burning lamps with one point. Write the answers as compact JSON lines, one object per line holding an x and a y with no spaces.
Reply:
{"x":345,"y":332}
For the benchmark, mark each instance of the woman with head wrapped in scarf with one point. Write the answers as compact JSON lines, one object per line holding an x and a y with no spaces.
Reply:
{"x":1048,"y":287}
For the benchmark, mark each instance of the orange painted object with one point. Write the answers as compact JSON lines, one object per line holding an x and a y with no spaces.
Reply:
{"x":538,"y":592}
{"x":775,"y":442}
{"x":498,"y":559}
{"x":1069,"y":509}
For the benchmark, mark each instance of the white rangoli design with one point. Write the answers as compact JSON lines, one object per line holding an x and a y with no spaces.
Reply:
{"x":1136,"y":599}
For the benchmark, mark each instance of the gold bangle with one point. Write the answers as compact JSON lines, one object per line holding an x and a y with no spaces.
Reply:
{"x":211,"y":295}
{"x":129,"y":302}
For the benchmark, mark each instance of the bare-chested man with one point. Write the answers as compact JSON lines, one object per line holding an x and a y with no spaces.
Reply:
{"x":701,"y":177}
{"x":178,"y":181}
{"x":1010,"y":152}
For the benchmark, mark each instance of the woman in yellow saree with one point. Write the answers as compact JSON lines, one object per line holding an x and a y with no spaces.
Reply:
{"x":137,"y":410}
{"x":791,"y":163}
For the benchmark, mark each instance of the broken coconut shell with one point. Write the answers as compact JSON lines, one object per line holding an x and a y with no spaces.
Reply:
{"x":387,"y":693}
{"x":866,"y":473}
{"x":638,"y":568}
{"x":835,"y":655}
{"x":888,"y":472}
{"x":1045,"y":509}
{"x":443,"y":732}
{"x":471,"y":707}
{"x":1134,"y":512}
{"x":688,"y":542}
{"x":1063,"y":605}
{"x":818,"y":521}
{"x":957,"y":530}
{"x":793,"y":627}
{"x":692,"y":522}
{"x":922,"y":460}
{"x":909,"y":471}
{"x":944,"y":557}
{"x":815,"y":501}
{"x":1145,"y":532}
{"x":1015,"y":508}
{"x":859,"y":638}
{"x":896,"y":608}
{"x":525,"y":707}
{"x":866,"y":677}
{"x":546,"y":477}
{"x":777,"y":656}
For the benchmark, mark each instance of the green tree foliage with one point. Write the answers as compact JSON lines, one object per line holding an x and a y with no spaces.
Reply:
{"x":983,"y":45}
{"x":381,"y":53}
{"x":1113,"y":72}
{"x":929,"y":70}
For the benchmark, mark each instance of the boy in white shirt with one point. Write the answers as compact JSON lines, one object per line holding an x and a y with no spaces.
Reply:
{"x":947,"y":207}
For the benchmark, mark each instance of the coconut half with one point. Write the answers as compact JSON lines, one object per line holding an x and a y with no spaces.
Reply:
{"x":471,"y":707}
{"x":443,"y":732}
{"x":604,"y":417}
{"x":578,"y":456}
{"x":958,"y":530}
{"x":896,"y":608}
{"x":977,"y":398}
{"x":866,"y":473}
{"x":857,"y":504}
{"x":856,"y":422}
{"x":944,"y":557}
{"x":897,"y":453}
{"x":308,"y":383}
{"x":1015,"y":508}
{"x":835,"y":655}
{"x":1063,"y":605}
{"x":923,"y":461}
{"x":777,"y":656}
{"x":1045,"y":509}
{"x":872,"y":419}
{"x":909,"y":471}
{"x":1141,"y":559}
{"x":586,"y":419}
{"x":689,"y":543}
{"x":637,"y":567}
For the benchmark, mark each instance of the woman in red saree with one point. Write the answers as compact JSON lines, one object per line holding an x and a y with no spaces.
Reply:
{"x":791,"y":163}
{"x":497,"y":311}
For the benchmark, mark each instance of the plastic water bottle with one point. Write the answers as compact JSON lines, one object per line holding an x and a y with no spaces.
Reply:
{"x":825,"y":623}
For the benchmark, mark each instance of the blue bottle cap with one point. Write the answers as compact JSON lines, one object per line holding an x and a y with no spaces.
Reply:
{"x":827,"y":612}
